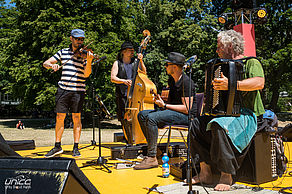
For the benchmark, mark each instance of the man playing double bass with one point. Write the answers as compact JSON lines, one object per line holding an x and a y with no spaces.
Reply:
{"x":122,"y":74}
{"x":174,"y":112}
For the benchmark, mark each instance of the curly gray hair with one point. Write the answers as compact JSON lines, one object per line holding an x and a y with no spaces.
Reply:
{"x":234,"y":38}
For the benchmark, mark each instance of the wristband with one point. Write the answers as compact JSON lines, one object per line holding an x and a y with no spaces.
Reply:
{"x":164,"y":108}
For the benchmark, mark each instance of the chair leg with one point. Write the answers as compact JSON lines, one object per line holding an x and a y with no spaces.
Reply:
{"x":168,"y":139}
{"x":182,"y":136}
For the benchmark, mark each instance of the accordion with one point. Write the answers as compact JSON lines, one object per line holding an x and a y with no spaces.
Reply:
{"x":223,"y":102}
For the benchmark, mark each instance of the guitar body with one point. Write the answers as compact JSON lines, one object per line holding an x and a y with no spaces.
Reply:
{"x":141,"y":99}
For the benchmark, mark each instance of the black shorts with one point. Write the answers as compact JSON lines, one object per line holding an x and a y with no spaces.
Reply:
{"x":69,"y":101}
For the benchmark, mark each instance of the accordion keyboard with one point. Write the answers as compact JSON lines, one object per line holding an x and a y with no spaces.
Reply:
{"x":273,"y":156}
{"x":217,"y":73}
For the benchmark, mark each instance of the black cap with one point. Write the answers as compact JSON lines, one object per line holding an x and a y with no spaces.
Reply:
{"x":126,"y":45}
{"x":176,"y":58}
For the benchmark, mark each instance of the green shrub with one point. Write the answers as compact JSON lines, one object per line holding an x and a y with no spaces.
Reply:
{"x":285,"y":104}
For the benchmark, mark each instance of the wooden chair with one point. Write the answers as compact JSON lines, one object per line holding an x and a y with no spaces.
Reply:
{"x":180,"y":128}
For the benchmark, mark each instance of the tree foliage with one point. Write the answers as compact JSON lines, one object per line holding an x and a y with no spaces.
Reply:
{"x":275,"y":47}
{"x":34,"y":30}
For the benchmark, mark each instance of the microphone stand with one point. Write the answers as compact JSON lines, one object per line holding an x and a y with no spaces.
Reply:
{"x":190,"y":119}
{"x":93,"y":142}
{"x":101,"y":161}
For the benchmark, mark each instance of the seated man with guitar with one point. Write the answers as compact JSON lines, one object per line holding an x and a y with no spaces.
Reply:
{"x":222,"y":141}
{"x":174,"y":112}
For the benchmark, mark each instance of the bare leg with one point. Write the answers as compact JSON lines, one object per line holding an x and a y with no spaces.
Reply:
{"x":59,"y":126}
{"x":77,"y":126}
{"x":205,"y":175}
{"x":225,"y":182}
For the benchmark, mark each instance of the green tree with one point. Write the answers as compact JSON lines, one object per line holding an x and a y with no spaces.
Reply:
{"x":7,"y":23}
{"x":275,"y":47}
{"x":273,"y":43}
{"x":181,"y":26}
{"x":38,"y":29}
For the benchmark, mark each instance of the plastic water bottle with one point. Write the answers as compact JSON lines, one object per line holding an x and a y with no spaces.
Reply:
{"x":165,"y":166}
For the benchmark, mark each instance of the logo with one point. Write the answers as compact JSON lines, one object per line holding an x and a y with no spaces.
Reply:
{"x":20,"y":182}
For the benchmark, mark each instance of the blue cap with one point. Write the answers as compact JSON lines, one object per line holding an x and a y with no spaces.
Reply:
{"x":77,"y":33}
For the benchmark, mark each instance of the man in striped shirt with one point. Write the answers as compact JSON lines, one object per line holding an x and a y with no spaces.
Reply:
{"x":71,"y":90}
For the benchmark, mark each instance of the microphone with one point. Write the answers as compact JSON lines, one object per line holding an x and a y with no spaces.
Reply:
{"x":190,"y":62}
{"x":99,"y":60}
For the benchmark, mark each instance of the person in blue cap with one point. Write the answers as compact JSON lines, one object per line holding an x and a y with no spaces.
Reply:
{"x":71,"y":88}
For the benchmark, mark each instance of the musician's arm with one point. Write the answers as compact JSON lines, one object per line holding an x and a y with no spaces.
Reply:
{"x":115,"y":79}
{"x":142,"y":66}
{"x":251,"y":84}
{"x":183,"y":108}
{"x":51,"y":63}
{"x":88,"y":69}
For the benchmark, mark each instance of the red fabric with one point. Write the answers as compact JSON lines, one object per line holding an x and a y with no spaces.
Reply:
{"x":247,"y":30}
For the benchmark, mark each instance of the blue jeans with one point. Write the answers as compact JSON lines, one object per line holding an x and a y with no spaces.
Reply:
{"x":151,"y":120}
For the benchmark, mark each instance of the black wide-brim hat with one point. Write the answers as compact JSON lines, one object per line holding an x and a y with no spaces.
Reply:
{"x":176,"y":58}
{"x":126,"y":45}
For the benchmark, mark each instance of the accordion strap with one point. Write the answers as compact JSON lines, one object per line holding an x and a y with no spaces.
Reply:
{"x":232,"y":86}
{"x":244,"y":60}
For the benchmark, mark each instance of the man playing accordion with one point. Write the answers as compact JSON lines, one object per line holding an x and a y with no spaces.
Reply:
{"x":222,"y":141}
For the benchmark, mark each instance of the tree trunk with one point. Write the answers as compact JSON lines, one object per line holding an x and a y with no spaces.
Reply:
{"x":275,"y":98}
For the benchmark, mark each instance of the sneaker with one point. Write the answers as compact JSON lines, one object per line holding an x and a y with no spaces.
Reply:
{"x":54,"y":151}
{"x":147,"y":162}
{"x":76,"y":152}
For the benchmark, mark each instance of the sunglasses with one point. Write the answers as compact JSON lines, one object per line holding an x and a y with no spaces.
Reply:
{"x":166,"y":65}
{"x":81,"y":39}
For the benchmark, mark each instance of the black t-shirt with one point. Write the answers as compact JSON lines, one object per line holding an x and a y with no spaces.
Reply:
{"x":181,"y":89}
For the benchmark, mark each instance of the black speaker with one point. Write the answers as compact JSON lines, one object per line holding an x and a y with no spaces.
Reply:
{"x":259,"y":165}
{"x":237,"y":4}
{"x":41,"y":175}
{"x":21,"y":145}
{"x":5,"y":149}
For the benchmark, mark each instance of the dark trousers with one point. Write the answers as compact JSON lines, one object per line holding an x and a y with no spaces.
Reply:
{"x":121,"y":104}
{"x":214,"y":147}
{"x":151,"y":120}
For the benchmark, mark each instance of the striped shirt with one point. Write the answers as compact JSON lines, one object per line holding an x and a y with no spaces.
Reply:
{"x":72,"y":72}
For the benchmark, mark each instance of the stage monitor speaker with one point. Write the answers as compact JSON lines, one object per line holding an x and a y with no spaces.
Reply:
{"x":21,"y":145}
{"x":5,"y":149}
{"x":41,"y":175}
{"x":259,"y":165}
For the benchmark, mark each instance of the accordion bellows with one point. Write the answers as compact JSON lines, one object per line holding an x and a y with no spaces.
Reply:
{"x":223,"y":102}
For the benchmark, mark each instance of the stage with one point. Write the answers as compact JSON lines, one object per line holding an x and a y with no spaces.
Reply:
{"x":137,"y":181}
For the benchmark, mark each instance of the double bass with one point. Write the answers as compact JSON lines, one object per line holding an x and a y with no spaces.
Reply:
{"x":138,"y":98}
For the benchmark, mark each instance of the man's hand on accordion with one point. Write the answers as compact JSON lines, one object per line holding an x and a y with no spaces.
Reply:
{"x":220,"y":83}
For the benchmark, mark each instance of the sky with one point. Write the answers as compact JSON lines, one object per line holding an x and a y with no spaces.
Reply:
{"x":7,"y":2}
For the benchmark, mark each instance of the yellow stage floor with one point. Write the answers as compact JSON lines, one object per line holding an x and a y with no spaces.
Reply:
{"x":134,"y":181}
